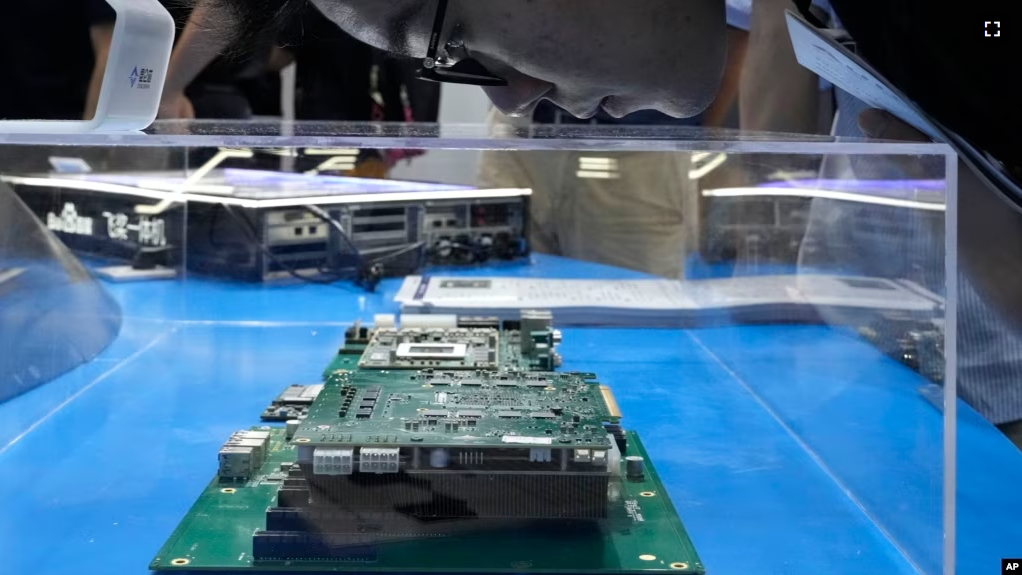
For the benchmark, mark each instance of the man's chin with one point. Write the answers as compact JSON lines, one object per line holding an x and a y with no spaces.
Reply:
{"x":618,"y":109}
{"x":516,"y":112}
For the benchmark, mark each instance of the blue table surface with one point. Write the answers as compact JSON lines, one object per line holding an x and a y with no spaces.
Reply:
{"x":786,"y":449}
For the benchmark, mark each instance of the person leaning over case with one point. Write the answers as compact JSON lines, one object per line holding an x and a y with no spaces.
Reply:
{"x":612,"y":220}
{"x":664,"y":55}
{"x":668,"y":55}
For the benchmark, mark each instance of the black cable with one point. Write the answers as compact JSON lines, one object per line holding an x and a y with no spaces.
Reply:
{"x":478,"y":253}
{"x":253,"y":237}
{"x":402,"y":251}
{"x":331,"y":221}
{"x":370,"y":271}
{"x":367,"y":273}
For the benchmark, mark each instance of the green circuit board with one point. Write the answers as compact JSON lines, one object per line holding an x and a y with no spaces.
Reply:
{"x":508,"y":346}
{"x":644,"y":535}
{"x":475,"y":408}
{"x":560,"y":430}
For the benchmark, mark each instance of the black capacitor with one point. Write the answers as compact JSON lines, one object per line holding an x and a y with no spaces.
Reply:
{"x":635,"y":467}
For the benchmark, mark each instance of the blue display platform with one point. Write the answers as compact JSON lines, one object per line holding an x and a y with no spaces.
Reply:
{"x":786,"y":449}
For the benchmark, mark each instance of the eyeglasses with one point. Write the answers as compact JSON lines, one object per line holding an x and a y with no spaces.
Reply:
{"x":455,"y":66}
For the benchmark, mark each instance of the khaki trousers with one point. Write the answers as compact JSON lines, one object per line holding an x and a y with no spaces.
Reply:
{"x":642,"y":216}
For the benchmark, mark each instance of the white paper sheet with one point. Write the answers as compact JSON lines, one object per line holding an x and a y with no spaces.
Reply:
{"x":833,"y":62}
{"x":666,"y":302}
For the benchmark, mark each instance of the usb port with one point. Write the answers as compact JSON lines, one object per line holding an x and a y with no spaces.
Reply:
{"x":298,"y":231}
{"x":312,"y":230}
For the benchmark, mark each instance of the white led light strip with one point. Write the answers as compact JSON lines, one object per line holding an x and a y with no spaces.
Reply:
{"x":824,"y":194}
{"x":193,"y":180}
{"x":174,"y":197}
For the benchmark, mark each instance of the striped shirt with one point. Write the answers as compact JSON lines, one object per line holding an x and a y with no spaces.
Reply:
{"x":906,"y":243}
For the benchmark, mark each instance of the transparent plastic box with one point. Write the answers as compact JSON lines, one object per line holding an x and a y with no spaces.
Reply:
{"x":767,"y":318}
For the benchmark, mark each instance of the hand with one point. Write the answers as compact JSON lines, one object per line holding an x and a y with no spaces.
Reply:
{"x":882,"y":125}
{"x":176,"y":106}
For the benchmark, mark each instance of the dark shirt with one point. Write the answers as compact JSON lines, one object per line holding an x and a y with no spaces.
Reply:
{"x":941,"y":58}
{"x":336,"y":72}
{"x":225,"y":71}
{"x":223,"y":89}
{"x":46,"y":57}
{"x":333,"y":71}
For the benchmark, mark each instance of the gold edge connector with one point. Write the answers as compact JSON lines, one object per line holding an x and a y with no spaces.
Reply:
{"x":608,"y":399}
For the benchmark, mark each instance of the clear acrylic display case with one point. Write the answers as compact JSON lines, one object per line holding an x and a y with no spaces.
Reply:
{"x":768,"y":313}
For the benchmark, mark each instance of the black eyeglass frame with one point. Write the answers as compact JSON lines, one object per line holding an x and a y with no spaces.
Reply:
{"x":464,"y":70}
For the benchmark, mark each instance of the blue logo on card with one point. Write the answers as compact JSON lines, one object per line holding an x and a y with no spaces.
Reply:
{"x":141,"y":78}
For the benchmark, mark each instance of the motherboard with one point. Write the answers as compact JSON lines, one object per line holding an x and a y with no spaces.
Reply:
{"x":443,"y":444}
{"x":917,"y":344}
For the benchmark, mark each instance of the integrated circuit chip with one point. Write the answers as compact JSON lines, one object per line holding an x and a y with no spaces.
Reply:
{"x":292,"y":403}
{"x":446,"y":348}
